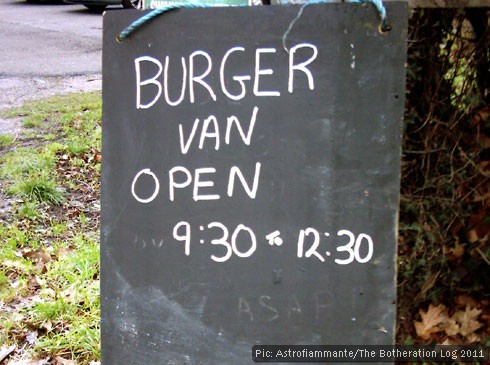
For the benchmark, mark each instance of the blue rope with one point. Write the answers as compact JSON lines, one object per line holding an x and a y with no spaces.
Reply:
{"x":155,"y":13}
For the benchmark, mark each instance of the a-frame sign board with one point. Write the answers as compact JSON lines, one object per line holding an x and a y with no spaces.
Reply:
{"x":250,"y":183}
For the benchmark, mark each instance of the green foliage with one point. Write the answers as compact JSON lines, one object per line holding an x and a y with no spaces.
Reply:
{"x":39,"y":189}
{"x":49,"y":250}
{"x":6,"y":140}
{"x":26,"y":161}
{"x":28,"y":211}
{"x":70,"y":304}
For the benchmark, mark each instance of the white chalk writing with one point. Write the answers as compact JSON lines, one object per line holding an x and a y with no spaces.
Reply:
{"x":150,"y":74}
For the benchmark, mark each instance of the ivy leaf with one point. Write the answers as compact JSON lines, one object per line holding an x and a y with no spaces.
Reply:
{"x":432,"y":321}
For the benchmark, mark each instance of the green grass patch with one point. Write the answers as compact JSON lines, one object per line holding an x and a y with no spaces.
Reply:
{"x":6,"y":140}
{"x":39,"y":189}
{"x":26,"y":161}
{"x":61,"y":108}
{"x":28,"y":211}
{"x":49,"y":267}
{"x":69,"y":306}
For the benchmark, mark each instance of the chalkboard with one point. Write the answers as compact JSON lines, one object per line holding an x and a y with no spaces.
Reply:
{"x":250,"y":181}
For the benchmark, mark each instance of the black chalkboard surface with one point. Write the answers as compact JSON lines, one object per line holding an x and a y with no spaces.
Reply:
{"x":251,"y":161}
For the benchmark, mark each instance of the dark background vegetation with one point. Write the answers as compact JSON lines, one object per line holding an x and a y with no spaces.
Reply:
{"x":444,"y":251}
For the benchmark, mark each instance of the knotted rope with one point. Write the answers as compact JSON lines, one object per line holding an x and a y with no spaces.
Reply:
{"x":157,"y":12}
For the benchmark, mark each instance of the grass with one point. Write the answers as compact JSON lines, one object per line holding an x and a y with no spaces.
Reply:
{"x":49,"y":267}
{"x":69,"y":306}
{"x":6,"y":140}
{"x":39,"y":188}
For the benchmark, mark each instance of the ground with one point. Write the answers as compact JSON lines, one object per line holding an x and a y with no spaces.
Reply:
{"x":15,"y":91}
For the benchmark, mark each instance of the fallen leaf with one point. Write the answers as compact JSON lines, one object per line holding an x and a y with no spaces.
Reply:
{"x":31,"y":337}
{"x":452,"y":328}
{"x":6,"y":351}
{"x":62,"y":361}
{"x":30,"y":362}
{"x":70,"y":294}
{"x":13,"y":265}
{"x":478,"y":196}
{"x":431,"y":321}
{"x":36,"y":282}
{"x":37,"y":255}
{"x":472,"y":236}
{"x":64,"y":252}
{"x":472,"y":338}
{"x":464,"y":323}
{"x":48,"y":326}
{"x":449,"y":342}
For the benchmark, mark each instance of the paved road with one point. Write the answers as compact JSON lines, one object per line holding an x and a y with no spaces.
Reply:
{"x":48,"y":39}
{"x":47,"y":48}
